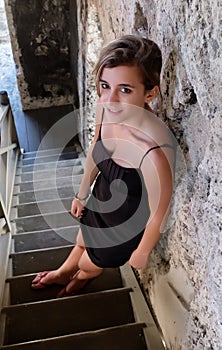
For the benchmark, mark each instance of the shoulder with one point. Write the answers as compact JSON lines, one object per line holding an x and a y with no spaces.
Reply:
{"x":156,"y":130}
{"x":158,"y":160}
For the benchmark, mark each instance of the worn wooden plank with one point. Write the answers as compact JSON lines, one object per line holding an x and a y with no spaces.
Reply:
{"x":46,"y":207}
{"x":10,"y":177}
{"x":5,"y":213}
{"x":39,"y":260}
{"x":45,"y":239}
{"x":142,"y":313}
{"x":51,"y":183}
{"x":48,"y":194}
{"x":44,"y":174}
{"x":68,"y":315}
{"x":20,"y":291}
{"x":3,"y":112}
{"x":5,"y":242}
{"x":122,"y":337}
{"x":7,"y":148}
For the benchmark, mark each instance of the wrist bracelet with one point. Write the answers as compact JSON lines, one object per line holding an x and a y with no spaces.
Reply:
{"x":80,"y":199}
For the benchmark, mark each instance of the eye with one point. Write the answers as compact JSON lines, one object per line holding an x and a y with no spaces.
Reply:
{"x":104,"y":86}
{"x":125,"y":90}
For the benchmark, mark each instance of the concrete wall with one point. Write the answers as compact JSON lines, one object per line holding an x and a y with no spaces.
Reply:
{"x":40,"y":36}
{"x":183,"y":280}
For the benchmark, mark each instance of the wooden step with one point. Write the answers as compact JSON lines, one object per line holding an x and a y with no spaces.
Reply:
{"x":48,"y":152}
{"x":50,"y":165}
{"x":49,"y":183}
{"x":44,"y":222}
{"x":48,"y":194}
{"x":48,"y":158}
{"x":45,"y":239}
{"x":21,"y":291}
{"x":39,"y":260}
{"x":45,"y":207}
{"x":68,"y":315}
{"x":48,"y":174}
{"x":124,"y":337}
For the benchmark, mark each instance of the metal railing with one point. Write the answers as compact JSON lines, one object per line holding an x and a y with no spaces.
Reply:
{"x":9,"y":150}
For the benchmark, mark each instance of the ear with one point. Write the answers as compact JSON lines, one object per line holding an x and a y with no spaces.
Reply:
{"x":151,"y":94}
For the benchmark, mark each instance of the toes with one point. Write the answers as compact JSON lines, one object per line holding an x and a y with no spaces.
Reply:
{"x":39,"y":276}
{"x":38,"y":285}
{"x":37,"y":282}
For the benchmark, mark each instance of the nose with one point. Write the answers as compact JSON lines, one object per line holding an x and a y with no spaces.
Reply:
{"x":112,"y":96}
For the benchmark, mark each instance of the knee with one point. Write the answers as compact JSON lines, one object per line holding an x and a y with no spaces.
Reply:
{"x":85,"y":264}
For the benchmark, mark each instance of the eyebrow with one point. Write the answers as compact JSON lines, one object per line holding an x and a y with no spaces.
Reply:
{"x":122,"y":84}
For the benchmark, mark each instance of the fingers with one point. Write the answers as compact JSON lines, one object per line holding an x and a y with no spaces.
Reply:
{"x":77,"y":209}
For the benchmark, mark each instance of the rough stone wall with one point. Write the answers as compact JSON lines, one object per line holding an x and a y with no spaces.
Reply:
{"x":183,"y":280}
{"x":90,"y":44}
{"x":40,"y":37}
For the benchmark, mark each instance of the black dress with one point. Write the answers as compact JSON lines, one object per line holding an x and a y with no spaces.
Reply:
{"x":116,"y":213}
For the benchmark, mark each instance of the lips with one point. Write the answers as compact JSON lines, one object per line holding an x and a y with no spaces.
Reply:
{"x":114,"y":111}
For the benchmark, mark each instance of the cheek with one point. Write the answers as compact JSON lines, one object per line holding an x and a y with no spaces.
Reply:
{"x":103,"y":94}
{"x":139,"y":101}
{"x":101,"y":97}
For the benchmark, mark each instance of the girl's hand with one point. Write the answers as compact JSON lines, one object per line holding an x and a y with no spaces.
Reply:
{"x":77,"y":208}
{"x":139,"y":260}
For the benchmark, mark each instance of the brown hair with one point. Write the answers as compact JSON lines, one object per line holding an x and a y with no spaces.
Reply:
{"x":131,"y":50}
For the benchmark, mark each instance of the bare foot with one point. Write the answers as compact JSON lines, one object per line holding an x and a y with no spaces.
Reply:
{"x":47,"y":278}
{"x":73,"y":286}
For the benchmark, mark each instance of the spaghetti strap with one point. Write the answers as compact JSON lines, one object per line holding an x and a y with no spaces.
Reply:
{"x":152,"y":148}
{"x":99,"y":136}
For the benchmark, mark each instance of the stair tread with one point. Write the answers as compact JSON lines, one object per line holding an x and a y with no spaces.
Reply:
{"x":12,"y":310}
{"x":55,"y":182}
{"x":47,"y":194}
{"x":43,"y":174}
{"x":122,"y":337}
{"x":49,"y":151}
{"x":50,"y":165}
{"x":45,"y":221}
{"x":68,"y":315}
{"x":49,"y":207}
{"x":45,"y":239}
{"x":48,"y":158}
{"x":39,"y":260}
{"x":20,"y":291}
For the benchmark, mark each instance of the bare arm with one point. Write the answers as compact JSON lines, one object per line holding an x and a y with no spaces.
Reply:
{"x":159,"y":183}
{"x":90,"y":172}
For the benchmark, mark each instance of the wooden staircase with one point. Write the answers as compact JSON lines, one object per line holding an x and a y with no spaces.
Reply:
{"x":110,"y":313}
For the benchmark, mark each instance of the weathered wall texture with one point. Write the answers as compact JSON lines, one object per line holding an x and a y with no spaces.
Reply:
{"x":40,"y":36}
{"x":184,"y":277}
{"x":90,"y":43}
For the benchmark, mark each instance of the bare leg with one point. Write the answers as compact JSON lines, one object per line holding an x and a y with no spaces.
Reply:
{"x":87,"y":270}
{"x":63,"y":274}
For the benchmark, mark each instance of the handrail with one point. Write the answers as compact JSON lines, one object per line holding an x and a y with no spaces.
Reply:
{"x":8,"y":148}
{"x":3,"y":112}
{"x":9,"y":151}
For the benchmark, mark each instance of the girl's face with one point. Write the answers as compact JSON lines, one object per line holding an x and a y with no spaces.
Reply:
{"x":120,"y":88}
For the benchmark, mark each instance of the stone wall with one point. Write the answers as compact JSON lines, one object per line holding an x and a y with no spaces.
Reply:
{"x":40,"y":37}
{"x":183,"y":280}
